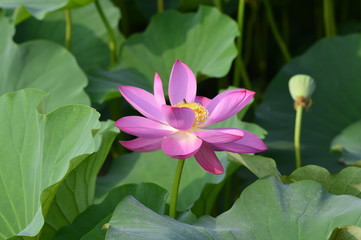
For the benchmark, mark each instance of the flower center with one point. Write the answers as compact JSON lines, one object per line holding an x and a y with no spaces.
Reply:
{"x":201,"y":113}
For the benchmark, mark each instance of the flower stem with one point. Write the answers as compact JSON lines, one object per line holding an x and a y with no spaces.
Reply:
{"x":297,"y":136}
{"x":175,"y":188}
{"x":68,"y":28}
{"x":286,"y":54}
{"x":329,"y":18}
{"x":160,"y":5}
{"x":112,"y":44}
{"x":240,"y":69}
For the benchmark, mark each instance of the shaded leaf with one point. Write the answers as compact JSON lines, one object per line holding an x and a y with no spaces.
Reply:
{"x":158,"y":168}
{"x":88,"y":225}
{"x":103,"y":84}
{"x":210,"y":192}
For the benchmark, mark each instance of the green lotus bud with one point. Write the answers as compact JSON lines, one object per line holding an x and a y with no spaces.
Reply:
{"x":301,"y":85}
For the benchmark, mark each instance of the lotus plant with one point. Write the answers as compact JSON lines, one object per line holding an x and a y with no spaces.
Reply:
{"x":181,"y":129}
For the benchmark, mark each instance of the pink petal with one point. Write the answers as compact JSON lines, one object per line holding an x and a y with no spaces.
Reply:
{"x":182,"y":84}
{"x":220,"y":135}
{"x":158,"y":90}
{"x":227,"y":104}
{"x":208,"y":160}
{"x":143,"y":101}
{"x":202,"y":100}
{"x":181,"y":145}
{"x":181,"y":118}
{"x":143,"y":127}
{"x":250,"y":143}
{"x":143,"y":144}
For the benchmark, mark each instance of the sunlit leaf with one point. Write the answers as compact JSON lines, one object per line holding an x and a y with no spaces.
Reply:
{"x":37,"y":151}
{"x":40,"y":64}
{"x":347,"y":181}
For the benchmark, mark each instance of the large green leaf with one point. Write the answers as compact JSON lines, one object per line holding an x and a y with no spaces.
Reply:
{"x":40,"y":64}
{"x":89,"y":39}
{"x":37,"y":152}
{"x":266,"y":210}
{"x":203,"y":40}
{"x":76,"y":192}
{"x":334,"y":63}
{"x":347,"y":181}
{"x":88,"y":225}
{"x":349,"y":143}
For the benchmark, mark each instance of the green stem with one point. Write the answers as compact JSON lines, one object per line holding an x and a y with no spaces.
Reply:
{"x":112,"y":44}
{"x":298,"y":135}
{"x":281,"y":44}
{"x":68,"y":28}
{"x":240,"y":69}
{"x":160,"y":5}
{"x":329,"y":18}
{"x":175,"y":188}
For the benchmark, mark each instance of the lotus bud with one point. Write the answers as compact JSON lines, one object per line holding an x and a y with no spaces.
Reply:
{"x":301,"y":88}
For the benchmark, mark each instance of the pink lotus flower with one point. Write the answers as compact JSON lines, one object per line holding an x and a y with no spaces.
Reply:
{"x":180,"y":130}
